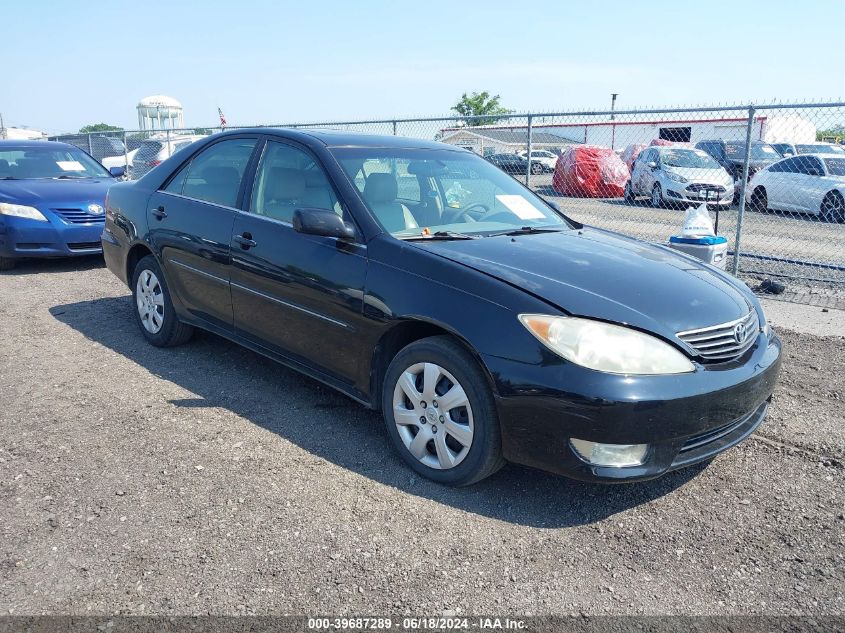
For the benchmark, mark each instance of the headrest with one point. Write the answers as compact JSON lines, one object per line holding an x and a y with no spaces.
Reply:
{"x":284,"y":183}
{"x":381,"y":188}
{"x":217,"y":174}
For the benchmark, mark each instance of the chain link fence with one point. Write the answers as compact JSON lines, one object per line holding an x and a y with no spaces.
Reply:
{"x":772,"y":176}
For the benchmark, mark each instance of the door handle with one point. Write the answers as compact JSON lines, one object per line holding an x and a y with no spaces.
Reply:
{"x":160,"y":213}
{"x":245,"y":241}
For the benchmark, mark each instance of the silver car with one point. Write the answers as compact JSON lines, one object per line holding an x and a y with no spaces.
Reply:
{"x":679,"y":176}
{"x":155,"y":150}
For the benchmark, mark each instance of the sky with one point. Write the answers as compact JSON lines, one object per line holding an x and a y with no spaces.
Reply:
{"x":68,"y":64}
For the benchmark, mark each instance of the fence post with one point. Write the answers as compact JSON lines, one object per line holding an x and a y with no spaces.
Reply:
{"x":741,"y":212}
{"x":394,"y":128}
{"x":529,"y":143}
{"x":125,"y":154}
{"x":90,"y":146}
{"x":169,"y":151}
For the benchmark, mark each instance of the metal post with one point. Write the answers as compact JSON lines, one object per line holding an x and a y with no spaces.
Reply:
{"x":741,"y":212}
{"x":394,"y":128}
{"x":125,"y":154}
{"x":90,"y":147}
{"x":169,"y":151}
{"x":530,"y":141}
{"x":613,"y":118}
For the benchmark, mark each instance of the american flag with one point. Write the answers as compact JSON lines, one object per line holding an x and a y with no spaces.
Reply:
{"x":222,"y":118}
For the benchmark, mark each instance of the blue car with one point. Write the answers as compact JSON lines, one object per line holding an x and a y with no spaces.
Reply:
{"x":52,"y":201}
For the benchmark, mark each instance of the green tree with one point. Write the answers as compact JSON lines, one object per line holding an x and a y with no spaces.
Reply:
{"x":480,"y":104}
{"x":99,"y":127}
{"x":202,"y":131}
{"x":837,"y":131}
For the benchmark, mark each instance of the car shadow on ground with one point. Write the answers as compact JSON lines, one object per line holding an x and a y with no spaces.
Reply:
{"x":56,"y":265}
{"x":257,"y":388}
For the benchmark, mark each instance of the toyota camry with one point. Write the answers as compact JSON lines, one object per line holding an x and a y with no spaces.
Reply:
{"x":51,"y":200}
{"x":421,"y":280}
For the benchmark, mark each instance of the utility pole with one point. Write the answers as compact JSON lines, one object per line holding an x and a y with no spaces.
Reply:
{"x":2,"y":127}
{"x":613,"y":96}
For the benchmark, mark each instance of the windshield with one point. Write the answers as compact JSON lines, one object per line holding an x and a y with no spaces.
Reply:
{"x":688,"y":158}
{"x":835,"y":166}
{"x":759,"y":151}
{"x":411,"y":190}
{"x":48,"y":162}
{"x":819,"y":149}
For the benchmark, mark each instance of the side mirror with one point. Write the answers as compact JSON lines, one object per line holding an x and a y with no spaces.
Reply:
{"x":117,"y":172}
{"x":652,"y":165}
{"x":321,"y":222}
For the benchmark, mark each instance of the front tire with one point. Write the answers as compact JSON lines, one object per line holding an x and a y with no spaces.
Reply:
{"x":440,"y":413}
{"x":759,"y":200}
{"x":656,"y":196}
{"x":833,"y":208}
{"x":153,"y":308}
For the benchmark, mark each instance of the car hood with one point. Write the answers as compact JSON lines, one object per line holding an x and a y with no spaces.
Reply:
{"x":708,"y":176}
{"x":48,"y":192}
{"x":598,"y":274}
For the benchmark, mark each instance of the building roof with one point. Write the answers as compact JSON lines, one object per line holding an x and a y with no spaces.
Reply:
{"x":511,"y":136}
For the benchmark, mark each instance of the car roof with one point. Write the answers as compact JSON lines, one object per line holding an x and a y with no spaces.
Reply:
{"x":12,"y":144}
{"x":341,"y":138}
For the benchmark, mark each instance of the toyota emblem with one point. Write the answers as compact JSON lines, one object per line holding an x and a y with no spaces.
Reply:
{"x":739,"y":334}
{"x":95,"y":209}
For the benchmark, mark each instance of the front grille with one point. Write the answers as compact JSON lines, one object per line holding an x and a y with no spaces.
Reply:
{"x":697,"y":186}
{"x":726,"y":341}
{"x":80,"y":216}
{"x":84,"y":246}
{"x":702,"y":439}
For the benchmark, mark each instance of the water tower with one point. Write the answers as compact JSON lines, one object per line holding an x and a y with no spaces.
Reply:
{"x":160,"y":112}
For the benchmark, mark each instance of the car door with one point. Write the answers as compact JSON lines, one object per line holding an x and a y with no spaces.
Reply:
{"x":298,"y":295}
{"x":646,"y":173}
{"x":190,"y":225}
{"x":778,"y":182}
{"x":788,"y":190}
{"x":811,"y":186}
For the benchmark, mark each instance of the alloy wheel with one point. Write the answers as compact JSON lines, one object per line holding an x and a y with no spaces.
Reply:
{"x":656,"y":196}
{"x":433,"y":415}
{"x":150,"y":301}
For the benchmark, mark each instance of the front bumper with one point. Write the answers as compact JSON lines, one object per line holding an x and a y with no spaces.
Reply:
{"x":682,"y":193}
{"x":22,"y":237}
{"x":685,"y":419}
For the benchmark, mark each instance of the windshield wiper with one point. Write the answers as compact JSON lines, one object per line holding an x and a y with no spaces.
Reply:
{"x":525,"y":230}
{"x":66,"y":177}
{"x":439,"y":235}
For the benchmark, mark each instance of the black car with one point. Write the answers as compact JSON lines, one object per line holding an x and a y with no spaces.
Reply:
{"x":731,"y":156}
{"x":484,"y":323}
{"x":514,"y":164}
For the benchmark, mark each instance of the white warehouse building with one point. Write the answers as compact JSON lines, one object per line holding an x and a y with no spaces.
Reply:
{"x":618,"y":134}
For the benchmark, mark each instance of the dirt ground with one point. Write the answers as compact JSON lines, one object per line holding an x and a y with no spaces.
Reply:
{"x":207,"y":480}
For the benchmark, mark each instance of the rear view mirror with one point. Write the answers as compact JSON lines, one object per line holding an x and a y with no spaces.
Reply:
{"x":321,"y":222}
{"x":117,"y":172}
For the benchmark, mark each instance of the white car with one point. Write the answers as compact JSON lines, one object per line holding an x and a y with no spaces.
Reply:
{"x":807,"y":183}
{"x":547,"y":159}
{"x":157,"y":149}
{"x":122,"y":160}
{"x":679,"y":176}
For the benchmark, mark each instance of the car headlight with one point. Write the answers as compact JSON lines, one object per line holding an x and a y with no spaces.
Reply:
{"x":21,"y":211}
{"x":671,"y":175}
{"x":605,"y":347}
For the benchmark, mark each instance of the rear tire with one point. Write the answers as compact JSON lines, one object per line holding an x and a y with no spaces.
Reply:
{"x":455,"y":441}
{"x":628,"y":194}
{"x":7,"y":263}
{"x":759,"y":200}
{"x":153,"y":308}
{"x":833,"y":208}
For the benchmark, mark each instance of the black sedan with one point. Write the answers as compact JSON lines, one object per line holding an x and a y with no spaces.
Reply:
{"x":514,"y":164}
{"x":420,"y":280}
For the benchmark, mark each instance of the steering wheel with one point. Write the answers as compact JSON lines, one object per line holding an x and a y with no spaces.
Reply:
{"x":452,"y":215}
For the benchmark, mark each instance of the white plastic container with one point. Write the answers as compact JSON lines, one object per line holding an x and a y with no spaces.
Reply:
{"x":710,"y":249}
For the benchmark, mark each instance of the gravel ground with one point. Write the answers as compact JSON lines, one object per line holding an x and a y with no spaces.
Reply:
{"x":206,"y":479}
